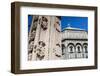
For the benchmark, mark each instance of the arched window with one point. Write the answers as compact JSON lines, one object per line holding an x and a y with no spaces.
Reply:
{"x":71,"y":48}
{"x":85,"y":47}
{"x":78,"y":48}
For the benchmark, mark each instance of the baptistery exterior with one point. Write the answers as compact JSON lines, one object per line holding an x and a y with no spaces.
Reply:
{"x":74,"y":43}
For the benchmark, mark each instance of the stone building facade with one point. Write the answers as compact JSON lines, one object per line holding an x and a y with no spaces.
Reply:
{"x":46,"y":40}
{"x":74,"y":43}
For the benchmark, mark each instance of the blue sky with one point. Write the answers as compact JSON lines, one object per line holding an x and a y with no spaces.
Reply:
{"x":29,"y":21}
{"x":76,"y":22}
{"x":72,"y":21}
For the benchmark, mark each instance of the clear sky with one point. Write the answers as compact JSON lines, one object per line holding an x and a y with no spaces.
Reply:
{"x":29,"y":21}
{"x":72,"y":21}
{"x":75,"y":22}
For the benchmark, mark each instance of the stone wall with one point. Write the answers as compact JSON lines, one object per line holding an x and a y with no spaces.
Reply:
{"x":45,"y":38}
{"x":75,"y":44}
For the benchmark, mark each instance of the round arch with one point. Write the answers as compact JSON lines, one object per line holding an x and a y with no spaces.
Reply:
{"x":79,"y":48}
{"x":70,"y":48}
{"x":85,"y":47}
